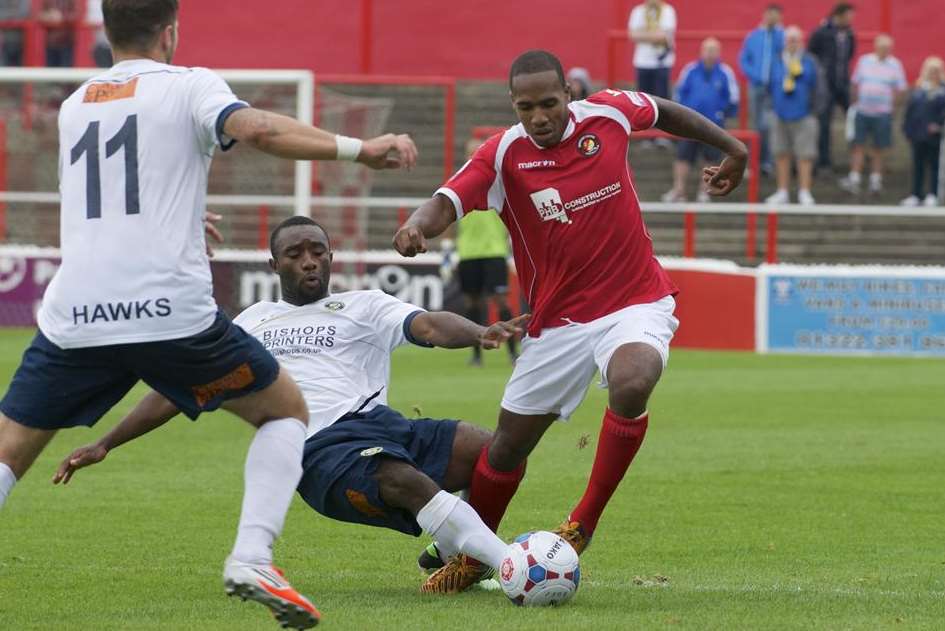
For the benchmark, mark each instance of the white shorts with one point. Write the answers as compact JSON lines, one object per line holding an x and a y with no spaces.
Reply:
{"x":553,"y":372}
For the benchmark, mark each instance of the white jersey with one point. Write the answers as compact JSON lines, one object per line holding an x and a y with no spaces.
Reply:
{"x":337,"y":349}
{"x":135,"y":145}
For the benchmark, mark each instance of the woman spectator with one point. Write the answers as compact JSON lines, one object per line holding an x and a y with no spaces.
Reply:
{"x":925,"y":117}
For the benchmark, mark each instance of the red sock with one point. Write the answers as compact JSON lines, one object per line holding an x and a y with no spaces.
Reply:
{"x":490,"y":491}
{"x":620,"y":438}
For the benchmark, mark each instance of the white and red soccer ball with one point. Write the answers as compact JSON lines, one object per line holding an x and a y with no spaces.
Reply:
{"x":539,"y":568}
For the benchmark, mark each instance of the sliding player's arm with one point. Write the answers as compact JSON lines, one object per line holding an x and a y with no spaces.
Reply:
{"x":681,"y":121}
{"x":152,"y":412}
{"x":449,"y":330}
{"x":285,"y":137}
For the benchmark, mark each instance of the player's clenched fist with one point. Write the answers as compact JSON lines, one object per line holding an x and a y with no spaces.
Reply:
{"x":389,"y":151}
{"x":409,"y":241}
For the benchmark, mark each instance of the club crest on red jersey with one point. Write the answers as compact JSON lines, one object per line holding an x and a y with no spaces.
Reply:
{"x":588,"y":145}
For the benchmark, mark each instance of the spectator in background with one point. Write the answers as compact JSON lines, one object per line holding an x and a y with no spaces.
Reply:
{"x":579,"y":80}
{"x":11,"y":40}
{"x":101,"y":51}
{"x":483,"y":248}
{"x":878,"y":81}
{"x":652,"y":27}
{"x":761,"y":47}
{"x":709,"y":87}
{"x":58,"y":17}
{"x":833,"y":44}
{"x":925,"y":117}
{"x":794,"y":84}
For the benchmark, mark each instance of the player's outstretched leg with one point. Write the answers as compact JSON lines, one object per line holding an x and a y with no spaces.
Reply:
{"x":501,"y":463}
{"x":632,"y":374}
{"x":19,"y":447}
{"x":272,"y":472}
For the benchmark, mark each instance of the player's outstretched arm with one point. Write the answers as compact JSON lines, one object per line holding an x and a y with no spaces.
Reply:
{"x":150,"y":413}
{"x":285,"y":137}
{"x":681,"y":121}
{"x":449,"y":330}
{"x":426,"y":222}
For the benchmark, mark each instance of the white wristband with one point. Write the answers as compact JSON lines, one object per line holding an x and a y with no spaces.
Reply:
{"x":348,"y":148}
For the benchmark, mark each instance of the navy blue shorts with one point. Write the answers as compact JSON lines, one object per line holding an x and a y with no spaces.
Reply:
{"x":55,"y":388}
{"x":340,"y":463}
{"x":877,"y":129}
{"x":689,"y":151}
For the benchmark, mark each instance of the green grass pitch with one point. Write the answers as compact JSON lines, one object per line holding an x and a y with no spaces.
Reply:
{"x":772,"y":493}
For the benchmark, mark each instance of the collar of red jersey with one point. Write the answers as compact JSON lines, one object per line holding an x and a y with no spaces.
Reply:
{"x":568,"y":132}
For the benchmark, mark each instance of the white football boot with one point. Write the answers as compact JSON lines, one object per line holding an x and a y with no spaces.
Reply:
{"x":266,"y":585}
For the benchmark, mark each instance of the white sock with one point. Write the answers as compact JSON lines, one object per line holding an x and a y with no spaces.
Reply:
{"x":456,"y":527}
{"x":855,"y":177}
{"x":7,"y":480}
{"x":273,"y":470}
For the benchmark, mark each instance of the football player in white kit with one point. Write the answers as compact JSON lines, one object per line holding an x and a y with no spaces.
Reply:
{"x":133,"y":297}
{"x":364,"y":462}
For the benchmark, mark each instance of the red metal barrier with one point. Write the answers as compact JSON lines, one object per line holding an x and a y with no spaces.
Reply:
{"x":689,"y":235}
{"x":772,"y":238}
{"x":262,"y":232}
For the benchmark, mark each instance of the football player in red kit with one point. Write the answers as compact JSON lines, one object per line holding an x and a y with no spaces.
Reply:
{"x":599,"y":299}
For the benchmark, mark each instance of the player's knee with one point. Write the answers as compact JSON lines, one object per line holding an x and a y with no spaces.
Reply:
{"x":629,"y":393}
{"x":399,"y":483}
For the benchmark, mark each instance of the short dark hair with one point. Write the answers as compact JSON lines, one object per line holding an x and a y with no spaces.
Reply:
{"x":532,"y":61}
{"x":774,"y":6}
{"x":135,"y":24}
{"x":295,"y":220}
{"x":841,"y":8}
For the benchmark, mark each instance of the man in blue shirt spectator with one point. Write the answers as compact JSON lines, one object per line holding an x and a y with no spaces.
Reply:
{"x":709,"y":87}
{"x":794,"y":79}
{"x":761,"y":47}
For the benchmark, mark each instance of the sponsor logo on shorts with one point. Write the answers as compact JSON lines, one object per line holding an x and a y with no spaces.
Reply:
{"x":334,"y":305}
{"x":656,"y":337}
{"x":237,"y":380}
{"x":588,"y":145}
{"x":506,"y":569}
{"x":371,"y":451}
{"x":361,"y":503}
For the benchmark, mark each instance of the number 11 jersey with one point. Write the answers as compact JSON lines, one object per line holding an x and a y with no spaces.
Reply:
{"x":135,"y":145}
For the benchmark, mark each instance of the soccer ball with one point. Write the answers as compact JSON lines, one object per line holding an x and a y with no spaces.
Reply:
{"x":539,"y":568}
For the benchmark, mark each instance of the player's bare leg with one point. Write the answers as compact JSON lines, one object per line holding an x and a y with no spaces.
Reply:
{"x":474,"y":550}
{"x":19,"y":447}
{"x":467,"y":445}
{"x":273,"y":470}
{"x":632,"y":374}
{"x":501,"y":463}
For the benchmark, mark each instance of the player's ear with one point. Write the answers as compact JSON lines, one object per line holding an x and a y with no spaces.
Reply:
{"x":272,"y":265}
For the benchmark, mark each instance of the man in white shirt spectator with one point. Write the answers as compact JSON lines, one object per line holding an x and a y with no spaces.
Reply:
{"x":652,"y":27}
{"x":878,"y":81}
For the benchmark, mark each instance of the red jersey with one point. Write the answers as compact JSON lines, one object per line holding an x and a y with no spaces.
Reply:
{"x":580,"y":246}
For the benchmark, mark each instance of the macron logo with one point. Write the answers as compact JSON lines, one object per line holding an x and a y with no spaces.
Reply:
{"x":536,"y":164}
